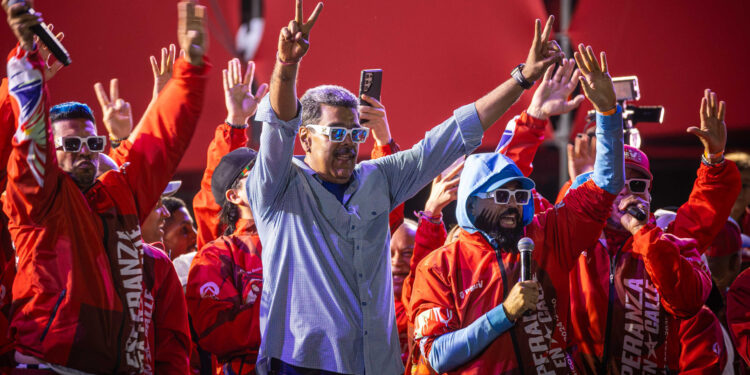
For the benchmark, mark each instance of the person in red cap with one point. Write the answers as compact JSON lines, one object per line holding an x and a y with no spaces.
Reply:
{"x":723,"y":255}
{"x":603,"y":337}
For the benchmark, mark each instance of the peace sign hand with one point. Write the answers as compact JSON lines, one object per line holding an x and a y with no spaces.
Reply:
{"x":240,"y":101}
{"x":118,"y":117}
{"x":713,"y":130}
{"x":294,"y":40}
{"x":543,"y":52}
{"x":596,"y":82}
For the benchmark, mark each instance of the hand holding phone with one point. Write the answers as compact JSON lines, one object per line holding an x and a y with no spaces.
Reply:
{"x":370,"y":82}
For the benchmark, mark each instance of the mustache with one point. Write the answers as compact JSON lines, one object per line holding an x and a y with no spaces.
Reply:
{"x":345,"y":151}
{"x":493,"y":218}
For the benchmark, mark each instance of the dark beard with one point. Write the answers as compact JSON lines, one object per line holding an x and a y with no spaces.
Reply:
{"x":506,"y":238}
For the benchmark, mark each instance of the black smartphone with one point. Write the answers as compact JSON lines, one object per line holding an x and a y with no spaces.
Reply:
{"x":369,"y":84}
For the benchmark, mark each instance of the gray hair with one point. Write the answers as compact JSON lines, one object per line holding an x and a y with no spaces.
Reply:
{"x":326,"y":94}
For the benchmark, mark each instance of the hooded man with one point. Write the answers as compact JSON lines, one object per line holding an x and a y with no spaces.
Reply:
{"x":468,"y":304}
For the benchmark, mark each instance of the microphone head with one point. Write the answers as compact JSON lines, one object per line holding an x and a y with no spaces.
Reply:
{"x":526,"y":244}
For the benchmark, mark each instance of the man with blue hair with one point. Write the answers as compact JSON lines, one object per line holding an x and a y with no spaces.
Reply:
{"x":470,"y":311}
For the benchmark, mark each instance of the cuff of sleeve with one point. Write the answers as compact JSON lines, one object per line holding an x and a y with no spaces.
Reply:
{"x":389,"y":148}
{"x":182,"y":67}
{"x":645,"y":231}
{"x":498,"y":320}
{"x":531,"y":121}
{"x":611,"y":122}
{"x":469,"y":126}
{"x":265,"y":113}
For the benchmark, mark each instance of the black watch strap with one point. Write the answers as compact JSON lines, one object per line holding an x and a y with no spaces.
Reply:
{"x":518,"y":76}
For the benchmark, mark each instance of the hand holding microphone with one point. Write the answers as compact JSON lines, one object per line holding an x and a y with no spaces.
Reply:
{"x":525,"y":294}
{"x":635,"y":215}
{"x":21,"y":14}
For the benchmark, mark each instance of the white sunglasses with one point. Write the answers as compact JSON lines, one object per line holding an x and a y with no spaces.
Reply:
{"x":337,"y":133}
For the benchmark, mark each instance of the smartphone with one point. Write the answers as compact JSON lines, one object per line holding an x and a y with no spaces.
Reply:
{"x":453,"y":166}
{"x":370,"y":81}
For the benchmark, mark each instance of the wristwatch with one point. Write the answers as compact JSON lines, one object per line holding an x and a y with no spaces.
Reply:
{"x":518,"y":76}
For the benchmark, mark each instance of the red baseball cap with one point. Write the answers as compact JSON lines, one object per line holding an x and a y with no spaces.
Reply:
{"x":637,"y":159}
{"x":727,"y":242}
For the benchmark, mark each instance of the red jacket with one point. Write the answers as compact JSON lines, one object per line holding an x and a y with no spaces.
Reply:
{"x":7,"y":253}
{"x":223,"y":295}
{"x":702,"y":349}
{"x":460,"y":282}
{"x":396,"y":217}
{"x":169,"y":334}
{"x":226,"y":139}
{"x":658,"y":278}
{"x":78,"y":298}
{"x":738,"y":314}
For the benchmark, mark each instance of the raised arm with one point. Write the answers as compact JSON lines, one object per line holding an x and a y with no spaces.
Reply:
{"x":576,"y":223}
{"x":168,"y":126}
{"x":718,"y":182}
{"x":229,"y":136}
{"x":408,"y":171}
{"x":32,"y":170}
{"x":280,"y":115}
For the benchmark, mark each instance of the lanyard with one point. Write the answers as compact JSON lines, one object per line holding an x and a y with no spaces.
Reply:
{"x":512,"y":332}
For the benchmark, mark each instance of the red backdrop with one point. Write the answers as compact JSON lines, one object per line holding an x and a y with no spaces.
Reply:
{"x":436,"y":56}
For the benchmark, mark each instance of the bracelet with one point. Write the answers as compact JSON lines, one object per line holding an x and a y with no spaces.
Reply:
{"x":427,"y":215}
{"x":707,"y":162}
{"x":518,"y":76}
{"x":115,"y":139}
{"x":282,"y":62}
{"x":713,"y":156}
{"x":610,"y":112}
{"x":114,"y":144}
{"x":236,"y":126}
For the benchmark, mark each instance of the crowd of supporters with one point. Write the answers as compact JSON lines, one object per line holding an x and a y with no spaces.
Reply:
{"x":307,"y":265}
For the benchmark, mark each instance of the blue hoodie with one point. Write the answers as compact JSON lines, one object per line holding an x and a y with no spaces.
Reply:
{"x":483,"y":173}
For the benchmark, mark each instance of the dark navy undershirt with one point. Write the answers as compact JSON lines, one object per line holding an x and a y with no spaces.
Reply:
{"x":336,"y":189}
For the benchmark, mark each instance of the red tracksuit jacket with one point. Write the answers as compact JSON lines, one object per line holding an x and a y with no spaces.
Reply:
{"x":7,"y":253}
{"x":223,"y":295}
{"x":738,"y":314}
{"x":460,"y":282}
{"x":657,"y":277}
{"x":702,"y":349}
{"x":79,"y":298}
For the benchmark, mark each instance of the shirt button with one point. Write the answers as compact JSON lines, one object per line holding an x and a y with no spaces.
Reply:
{"x":352,"y":227}
{"x":357,"y":247}
{"x":364,"y":303}
{"x":360,"y":275}
{"x":365,"y":332}
{"x":374,"y":213}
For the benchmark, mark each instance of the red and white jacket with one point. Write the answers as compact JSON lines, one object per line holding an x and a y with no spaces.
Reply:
{"x":79,"y":298}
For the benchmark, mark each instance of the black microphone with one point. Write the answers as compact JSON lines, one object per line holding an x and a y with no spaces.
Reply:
{"x":46,"y":37}
{"x":525,"y":247}
{"x":636,"y":212}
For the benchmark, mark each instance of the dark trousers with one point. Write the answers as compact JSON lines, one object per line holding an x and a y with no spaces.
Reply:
{"x":279,"y":367}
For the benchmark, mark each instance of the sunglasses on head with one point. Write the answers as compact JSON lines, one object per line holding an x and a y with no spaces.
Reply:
{"x":337,"y":134}
{"x":637,"y":185}
{"x":72,"y":143}
{"x":502,"y":196}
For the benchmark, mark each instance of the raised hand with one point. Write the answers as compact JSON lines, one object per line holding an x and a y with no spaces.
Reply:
{"x":596,"y":82}
{"x":118,"y":117}
{"x":191,"y":31}
{"x":49,"y":69}
{"x":294,"y":40}
{"x":551,"y":97}
{"x":240,"y":101}
{"x":377,"y":120}
{"x":713,"y":131}
{"x":444,"y":190}
{"x":20,"y":21}
{"x":581,"y":155}
{"x":543,"y":52}
{"x":163,"y":72}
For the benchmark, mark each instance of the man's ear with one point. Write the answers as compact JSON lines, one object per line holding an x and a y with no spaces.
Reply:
{"x":304,"y":139}
{"x":233,"y":197}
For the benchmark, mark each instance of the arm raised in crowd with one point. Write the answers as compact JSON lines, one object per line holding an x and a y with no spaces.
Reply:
{"x":409,"y":171}
{"x":229,"y":136}
{"x":280,"y":115}
{"x":32,"y":169}
{"x":169,"y":124}
{"x":718,"y":183}
{"x":576,"y":223}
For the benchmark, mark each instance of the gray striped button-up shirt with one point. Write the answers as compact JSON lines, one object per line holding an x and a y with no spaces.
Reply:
{"x":327,"y":300}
